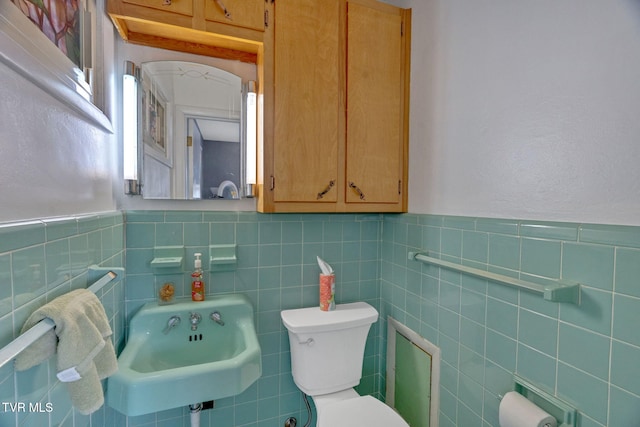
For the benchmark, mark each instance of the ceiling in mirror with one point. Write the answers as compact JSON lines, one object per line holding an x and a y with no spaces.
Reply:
{"x":219,"y":130}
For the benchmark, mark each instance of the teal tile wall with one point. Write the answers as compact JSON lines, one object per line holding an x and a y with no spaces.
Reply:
{"x":587,"y":355}
{"x":277,"y":269}
{"x":40,"y":260}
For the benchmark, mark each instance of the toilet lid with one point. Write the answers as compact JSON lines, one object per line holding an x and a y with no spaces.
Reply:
{"x":360,"y":411}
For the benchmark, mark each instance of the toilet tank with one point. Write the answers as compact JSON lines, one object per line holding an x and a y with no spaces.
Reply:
{"x":327,"y":347}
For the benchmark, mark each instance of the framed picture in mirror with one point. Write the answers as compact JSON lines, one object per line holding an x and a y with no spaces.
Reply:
{"x":155,"y":120}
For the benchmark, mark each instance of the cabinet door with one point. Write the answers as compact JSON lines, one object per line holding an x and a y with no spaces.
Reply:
{"x":375,"y":88}
{"x":241,"y":13}
{"x":307,"y":96}
{"x":183,"y":7}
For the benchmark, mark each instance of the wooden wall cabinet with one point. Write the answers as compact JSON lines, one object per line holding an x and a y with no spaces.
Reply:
{"x":333,"y":82}
{"x":336,"y":132}
{"x":193,"y":26}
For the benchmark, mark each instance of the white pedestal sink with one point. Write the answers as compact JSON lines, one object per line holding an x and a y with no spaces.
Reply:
{"x":169,"y":364}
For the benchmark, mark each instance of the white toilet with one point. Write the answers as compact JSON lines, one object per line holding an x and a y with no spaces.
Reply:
{"x":327,"y":350}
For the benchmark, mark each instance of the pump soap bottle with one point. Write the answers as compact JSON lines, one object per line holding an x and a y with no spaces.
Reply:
{"x":197,"y":284}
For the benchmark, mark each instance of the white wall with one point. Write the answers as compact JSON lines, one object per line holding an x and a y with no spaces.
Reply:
{"x":519,"y":110}
{"x":526,"y":109}
{"x":52,"y":161}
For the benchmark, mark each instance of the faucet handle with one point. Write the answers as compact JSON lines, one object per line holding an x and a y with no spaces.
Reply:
{"x":171,"y":323}
{"x":216,"y":317}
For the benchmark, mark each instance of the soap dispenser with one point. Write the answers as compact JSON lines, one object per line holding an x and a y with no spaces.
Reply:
{"x":197,"y":284}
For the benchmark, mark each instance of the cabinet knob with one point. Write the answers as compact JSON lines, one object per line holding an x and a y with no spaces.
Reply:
{"x":326,"y":190}
{"x":166,"y":2}
{"x":357,"y":190}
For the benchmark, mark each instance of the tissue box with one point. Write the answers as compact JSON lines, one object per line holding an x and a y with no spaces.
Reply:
{"x":327,"y":292}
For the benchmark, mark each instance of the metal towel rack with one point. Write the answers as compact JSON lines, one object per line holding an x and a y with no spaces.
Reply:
{"x":560,"y":291}
{"x":15,"y":347}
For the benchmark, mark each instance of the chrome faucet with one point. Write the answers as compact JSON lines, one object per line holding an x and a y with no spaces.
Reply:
{"x":171,"y":323}
{"x":217,"y":317}
{"x":194,"y":319}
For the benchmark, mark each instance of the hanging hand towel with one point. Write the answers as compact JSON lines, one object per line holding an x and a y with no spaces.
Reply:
{"x":81,"y":340}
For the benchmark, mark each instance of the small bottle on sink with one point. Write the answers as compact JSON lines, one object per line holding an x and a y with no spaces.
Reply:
{"x":197,"y":283}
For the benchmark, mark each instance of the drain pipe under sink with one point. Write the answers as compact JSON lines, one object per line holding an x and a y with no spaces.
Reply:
{"x":195,"y":410}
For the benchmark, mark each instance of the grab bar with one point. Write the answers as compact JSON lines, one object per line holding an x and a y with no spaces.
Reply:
{"x":15,"y":347}
{"x":556,"y":292}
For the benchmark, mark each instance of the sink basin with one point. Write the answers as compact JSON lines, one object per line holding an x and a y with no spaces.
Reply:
{"x":158,"y":370}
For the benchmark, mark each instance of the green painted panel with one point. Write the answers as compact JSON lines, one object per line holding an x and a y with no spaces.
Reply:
{"x":412,"y":382}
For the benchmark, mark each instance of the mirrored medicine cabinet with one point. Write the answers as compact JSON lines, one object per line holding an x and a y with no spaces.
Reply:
{"x":195,"y":132}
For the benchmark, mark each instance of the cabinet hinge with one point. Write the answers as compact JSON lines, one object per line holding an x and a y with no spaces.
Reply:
{"x":402,"y":29}
{"x":266,"y":19}
{"x":273,"y":183}
{"x":399,"y":186}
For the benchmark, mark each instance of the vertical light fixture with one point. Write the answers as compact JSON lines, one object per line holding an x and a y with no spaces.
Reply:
{"x":130,"y":128}
{"x":251,"y":132}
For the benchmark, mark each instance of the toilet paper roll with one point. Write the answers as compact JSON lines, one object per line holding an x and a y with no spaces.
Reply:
{"x":518,"y":411}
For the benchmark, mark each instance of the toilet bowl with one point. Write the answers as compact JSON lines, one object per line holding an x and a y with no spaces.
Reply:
{"x":327,"y":351}
{"x":349,"y":409}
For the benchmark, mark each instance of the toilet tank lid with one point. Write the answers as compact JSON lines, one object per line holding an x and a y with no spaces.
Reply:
{"x":312,"y":319}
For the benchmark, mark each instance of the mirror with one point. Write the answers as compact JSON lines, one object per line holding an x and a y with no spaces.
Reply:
{"x":191,"y":131}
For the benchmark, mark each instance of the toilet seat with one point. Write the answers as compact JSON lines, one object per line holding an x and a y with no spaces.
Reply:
{"x":362,"y":411}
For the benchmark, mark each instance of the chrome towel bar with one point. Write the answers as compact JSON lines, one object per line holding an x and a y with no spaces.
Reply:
{"x":15,"y":347}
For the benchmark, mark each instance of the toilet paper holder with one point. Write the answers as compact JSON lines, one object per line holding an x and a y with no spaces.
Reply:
{"x":565,"y":414}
